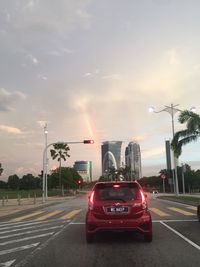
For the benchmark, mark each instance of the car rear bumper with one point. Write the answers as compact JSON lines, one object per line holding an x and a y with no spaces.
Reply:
{"x":142,"y":224}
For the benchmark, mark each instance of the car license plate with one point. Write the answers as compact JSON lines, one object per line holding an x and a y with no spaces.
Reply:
{"x":117,"y":209}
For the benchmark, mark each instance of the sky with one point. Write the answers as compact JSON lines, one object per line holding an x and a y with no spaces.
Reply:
{"x":90,"y":69}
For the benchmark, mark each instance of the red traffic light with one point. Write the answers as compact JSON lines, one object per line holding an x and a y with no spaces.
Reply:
{"x":79,"y":181}
{"x":88,"y":141}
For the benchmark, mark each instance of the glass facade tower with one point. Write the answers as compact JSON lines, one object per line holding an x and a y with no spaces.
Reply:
{"x":110,"y":155}
{"x":133,"y":160}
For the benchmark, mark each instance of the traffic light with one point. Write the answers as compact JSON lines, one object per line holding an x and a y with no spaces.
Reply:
{"x":79,"y":182}
{"x":88,"y":141}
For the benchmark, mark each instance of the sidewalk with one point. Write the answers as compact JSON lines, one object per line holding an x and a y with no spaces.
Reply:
{"x":13,"y":206}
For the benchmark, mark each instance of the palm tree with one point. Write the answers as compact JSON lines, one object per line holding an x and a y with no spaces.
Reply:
{"x":60,"y":152}
{"x":191,"y":133}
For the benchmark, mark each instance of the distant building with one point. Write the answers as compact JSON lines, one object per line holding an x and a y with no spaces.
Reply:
{"x":84,"y":168}
{"x":110,"y":155}
{"x":133,"y":159}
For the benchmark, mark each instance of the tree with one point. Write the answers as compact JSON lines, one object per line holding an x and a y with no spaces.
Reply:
{"x":112,"y":172}
{"x":13,"y":182}
{"x":1,"y":169}
{"x":60,"y":152}
{"x":191,"y":133}
{"x":28,"y":182}
{"x":70,"y":178}
{"x":125,"y":172}
{"x":3,"y":185}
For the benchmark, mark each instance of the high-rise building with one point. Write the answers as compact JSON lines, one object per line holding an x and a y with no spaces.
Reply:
{"x":84,"y":168}
{"x":110,"y":155}
{"x":133,"y":159}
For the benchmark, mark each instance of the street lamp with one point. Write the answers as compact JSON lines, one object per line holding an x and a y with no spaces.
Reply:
{"x":44,"y":192}
{"x":45,"y":166}
{"x":172,"y":110}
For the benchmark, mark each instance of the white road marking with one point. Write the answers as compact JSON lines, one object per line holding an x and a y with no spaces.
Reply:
{"x":189,"y":220}
{"x":19,"y":224}
{"x":25,"y":239}
{"x":24,"y":224}
{"x":7,"y":251}
{"x":29,"y":227}
{"x":31,"y":232}
{"x":7,"y":263}
{"x":76,"y":223}
{"x":153,"y":221}
{"x":182,"y":236}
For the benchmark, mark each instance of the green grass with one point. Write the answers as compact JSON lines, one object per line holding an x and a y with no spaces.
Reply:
{"x":12,"y":194}
{"x":183,"y":199}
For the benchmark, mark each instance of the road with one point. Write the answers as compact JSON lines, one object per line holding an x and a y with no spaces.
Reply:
{"x":55,"y":236}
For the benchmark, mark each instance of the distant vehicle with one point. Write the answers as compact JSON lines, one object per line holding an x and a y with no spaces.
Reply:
{"x":155,"y":192}
{"x":118,"y":206}
{"x":198,"y":212}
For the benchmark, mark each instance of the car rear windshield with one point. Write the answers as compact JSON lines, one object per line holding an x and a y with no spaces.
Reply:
{"x":124,"y":192}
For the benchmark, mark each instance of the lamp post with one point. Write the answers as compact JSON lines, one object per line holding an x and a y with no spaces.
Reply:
{"x":183,"y":176}
{"x":171,"y":110}
{"x":45,"y":167}
{"x":44,"y":185}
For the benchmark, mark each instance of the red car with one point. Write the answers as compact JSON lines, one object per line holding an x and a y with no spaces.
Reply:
{"x":118,"y":206}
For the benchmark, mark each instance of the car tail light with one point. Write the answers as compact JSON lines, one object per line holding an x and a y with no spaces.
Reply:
{"x":144,"y":203}
{"x":91,"y":201}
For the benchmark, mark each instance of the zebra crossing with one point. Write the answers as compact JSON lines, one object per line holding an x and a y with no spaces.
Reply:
{"x":22,"y":235}
{"x":172,"y":211}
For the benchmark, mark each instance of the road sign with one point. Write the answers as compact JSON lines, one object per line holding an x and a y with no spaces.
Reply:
{"x":163,"y":176}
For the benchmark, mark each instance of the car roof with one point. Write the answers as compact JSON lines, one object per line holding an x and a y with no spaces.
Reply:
{"x":117,"y":182}
{"x":107,"y":183}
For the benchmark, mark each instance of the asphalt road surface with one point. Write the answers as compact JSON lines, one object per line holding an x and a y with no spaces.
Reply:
{"x":55,"y":236}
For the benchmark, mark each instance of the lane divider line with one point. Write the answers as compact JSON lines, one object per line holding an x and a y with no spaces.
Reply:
{"x":182,"y":236}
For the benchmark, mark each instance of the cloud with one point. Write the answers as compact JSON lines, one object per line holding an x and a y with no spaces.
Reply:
{"x":173,"y":56}
{"x":47,"y":16}
{"x":7,"y":99}
{"x":42,"y":77}
{"x":9,"y":129}
{"x":153,"y":152}
{"x":42,"y":123}
{"x":32,"y":59}
{"x":92,"y":74}
{"x":112,"y":77}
